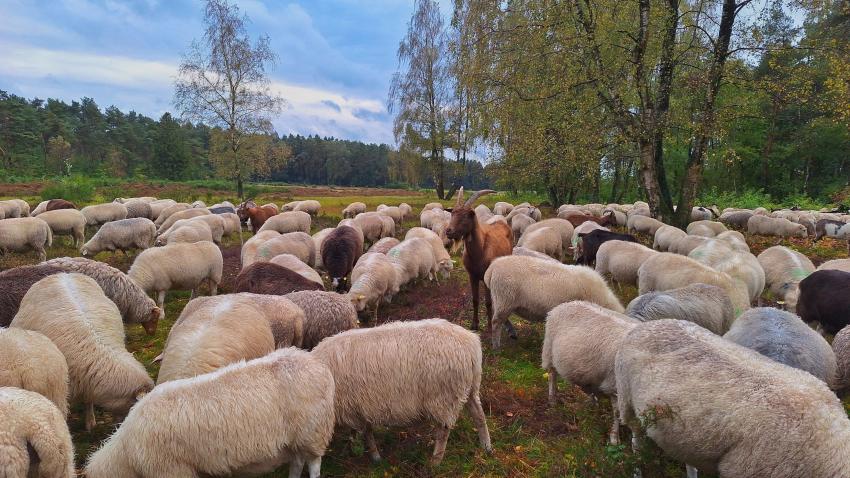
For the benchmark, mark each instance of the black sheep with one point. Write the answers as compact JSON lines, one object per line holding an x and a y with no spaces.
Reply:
{"x":591,"y":241}
{"x":825,"y":298}
{"x":272,"y":279}
{"x":340,"y":251}
{"x":14,"y":284}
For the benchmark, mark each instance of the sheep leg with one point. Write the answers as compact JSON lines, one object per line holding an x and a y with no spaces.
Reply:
{"x":473,"y":405}
{"x":377,"y":304}
{"x":614,"y":433}
{"x":553,"y":386}
{"x":89,"y":417}
{"x":213,"y":287}
{"x":441,"y":436}
{"x":473,"y":284}
{"x":160,"y":301}
{"x":315,"y":467}
{"x":691,"y":471}
{"x":296,"y":466}
{"x":371,"y":445}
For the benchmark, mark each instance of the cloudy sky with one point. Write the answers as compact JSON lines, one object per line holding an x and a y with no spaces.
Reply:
{"x":336,"y":57}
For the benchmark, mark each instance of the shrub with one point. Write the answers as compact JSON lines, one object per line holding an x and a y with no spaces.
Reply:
{"x":76,"y":189}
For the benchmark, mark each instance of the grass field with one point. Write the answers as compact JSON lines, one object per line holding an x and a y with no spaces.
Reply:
{"x":530,"y":439}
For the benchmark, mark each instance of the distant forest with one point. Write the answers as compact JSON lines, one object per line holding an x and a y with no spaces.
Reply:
{"x":51,"y":138}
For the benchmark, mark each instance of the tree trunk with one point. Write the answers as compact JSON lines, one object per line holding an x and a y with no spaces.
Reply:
{"x":649,"y":178}
{"x":239,"y":190}
{"x":439,"y":177}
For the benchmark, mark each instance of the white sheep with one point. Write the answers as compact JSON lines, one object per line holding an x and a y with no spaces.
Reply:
{"x":288,"y":418}
{"x":299,"y":244}
{"x":384,"y":245}
{"x":158,"y":206}
{"x":215,"y":222}
{"x":715,"y":227}
{"x":184,"y":214}
{"x":564,"y":228}
{"x":23,"y":234}
{"x":68,"y":222}
{"x":188,"y":232}
{"x":685,"y":245}
{"x":392,"y":212}
{"x":621,"y":260}
{"x":735,"y":239}
{"x":98,"y":214}
{"x":72,"y":311}
{"x":232,"y":224}
{"x":783,"y":270}
{"x":531,"y":287}
{"x":33,"y":428}
{"x":413,"y":259}
{"x":137,"y":208}
{"x":741,"y":266}
{"x":290,"y":221}
{"x":546,"y":240}
{"x":521,"y":251}
{"x":643,"y":224}
{"x":706,"y":305}
{"x":10,"y":209}
{"x":166,"y":210}
{"x":841,"y":348}
{"x":580,"y":343}
{"x":482,"y":212}
{"x":432,"y":205}
{"x":318,"y":239}
{"x":249,"y":248}
{"x":502,"y":208}
{"x":666,"y":236}
{"x":121,"y":235}
{"x":403,"y":372}
{"x":345,"y":222}
{"x":700,"y":230}
{"x":582,"y":228}
{"x":178,"y":266}
{"x":310,"y":206}
{"x":212,"y":332}
{"x":325,"y":314}
{"x":373,"y":280}
{"x":772,"y":226}
{"x":297,"y":265}
{"x":441,"y":255}
{"x":836,"y":264}
{"x":353,"y":209}
{"x":29,"y":360}
{"x":727,"y":410}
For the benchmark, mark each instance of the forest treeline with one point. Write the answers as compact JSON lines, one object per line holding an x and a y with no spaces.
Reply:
{"x":51,"y":138}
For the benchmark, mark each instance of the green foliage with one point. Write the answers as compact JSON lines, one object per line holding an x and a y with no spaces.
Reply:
{"x":76,"y":188}
{"x":170,"y":153}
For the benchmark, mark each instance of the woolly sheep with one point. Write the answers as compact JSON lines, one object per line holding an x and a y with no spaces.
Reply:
{"x":841,"y":348}
{"x":735,"y":239}
{"x":531,"y":287}
{"x":178,"y":266}
{"x":99,"y":214}
{"x":184,"y":214}
{"x":215,"y":222}
{"x":622,"y":259}
{"x":564,"y":228}
{"x":290,"y":221}
{"x":701,"y":230}
{"x":249,"y":249}
{"x":340,"y":251}
{"x":372,"y":226}
{"x":232,"y":224}
{"x":199,"y":204}
{"x":373,"y":279}
{"x":297,"y":265}
{"x":25,"y":207}
{"x":824,"y":300}
{"x":493,"y":219}
{"x":502,"y":208}
{"x":52,"y":204}
{"x":353,"y":209}
{"x":272,"y":279}
{"x":70,"y":222}
{"x":289,"y":418}
{"x":836,"y":264}
{"x":482,"y":212}
{"x":413,"y":259}
{"x":582,"y":228}
{"x":30,"y":361}
{"x":685,"y":245}
{"x":318,"y":239}
{"x":429,"y":216}
{"x":33,"y":427}
{"x":167,"y":211}
{"x":643,"y":224}
{"x":384,"y":245}
{"x":72,"y":311}
{"x":9,"y":209}
{"x":519,"y":223}
{"x":14,"y":284}
{"x":665,"y":271}
{"x":406,"y":210}
{"x":213,"y":332}
{"x":310,"y":206}
{"x":298,"y":244}
{"x":432,"y":205}
{"x":736,"y":218}
{"x":783,"y":270}
{"x":23,"y":234}
{"x":441,"y":255}
{"x":666,"y":236}
{"x":700,"y":214}
{"x":580,"y":343}
{"x":706,"y":305}
{"x":783,"y":337}
{"x":521,"y":251}
{"x":122,"y":235}
{"x":144,"y":199}
{"x":741,"y":266}
{"x":714,"y":226}
{"x":726,"y":409}
{"x":355,"y":226}
{"x":769,"y":226}
{"x":545,"y":240}
{"x":136,"y":208}
{"x":158,"y":206}
{"x":402,"y":372}
{"x":189,"y":232}
{"x":325,"y":314}
{"x":135,"y":306}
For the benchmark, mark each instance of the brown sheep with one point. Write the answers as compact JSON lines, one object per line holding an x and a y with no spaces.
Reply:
{"x":272,"y":279}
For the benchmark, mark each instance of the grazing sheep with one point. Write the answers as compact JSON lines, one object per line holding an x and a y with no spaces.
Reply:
{"x":783,"y":337}
{"x":384,"y":245}
{"x":529,"y":211}
{"x":392,"y":212}
{"x":502,"y":208}
{"x":30,"y":361}
{"x":66,"y":222}
{"x":564,"y":228}
{"x":122,"y":235}
{"x":735,"y":239}
{"x":190,"y":232}
{"x":699,"y":213}
{"x":406,"y":210}
{"x":784,"y":268}
{"x":429,"y":216}
{"x":413,"y":259}
{"x":373,"y":279}
{"x":158,"y":207}
{"x":519,"y":223}
{"x":166,"y":211}
{"x":371,"y":225}
{"x":706,"y":305}
{"x":299,"y":244}
{"x":714,"y":226}
{"x":771,"y":226}
{"x":432,"y":205}
{"x":213,"y":332}
{"x":836,"y":264}
{"x":310,"y":206}
{"x":249,"y":250}
{"x":14,"y":284}
{"x":531,"y":287}
{"x":621,"y":260}
{"x":135,"y":306}
{"x":178,"y":266}
{"x":701,"y":230}
{"x":215,"y":222}
{"x":35,"y":441}
{"x":685,"y":245}
{"x":54,"y":204}
{"x":576,"y":240}
{"x":184,"y":214}
{"x":72,"y":311}
{"x":353,"y":209}
{"x":199,"y":204}
{"x":25,"y":207}
{"x":831,"y":228}
{"x":325,"y":314}
{"x":741,"y":266}
{"x":521,"y":251}
{"x":290,"y":221}
{"x":592,"y":240}
{"x":736,"y":219}
{"x":726,"y":409}
{"x":272,"y":279}
{"x":297,"y":265}
{"x":666,"y":237}
{"x":10,"y":209}
{"x":665,"y":271}
{"x":138,"y":208}
{"x":318,"y":239}
{"x":580,"y":344}
{"x":340,"y":251}
{"x":441,"y":255}
{"x":482,"y":212}
{"x":99,"y":214}
{"x":289,"y":418}
{"x":841,"y":348}
{"x":403,"y":372}
{"x":824,"y":299}
{"x":643,"y":224}
{"x":23,"y":234}
{"x":545,"y":240}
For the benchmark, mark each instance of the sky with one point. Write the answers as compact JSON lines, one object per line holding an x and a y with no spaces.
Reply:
{"x":335,"y":57}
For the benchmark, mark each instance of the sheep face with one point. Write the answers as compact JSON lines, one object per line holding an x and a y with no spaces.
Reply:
{"x":445,"y":268}
{"x":462,"y":223}
{"x":800,"y":231}
{"x":150,"y":325}
{"x":359,"y":301}
{"x":120,"y":405}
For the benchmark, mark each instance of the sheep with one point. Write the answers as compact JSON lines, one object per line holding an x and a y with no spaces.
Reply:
{"x":783,"y":337}
{"x":752,"y":417}
{"x":135,"y":306}
{"x":391,"y":211}
{"x":158,"y":207}
{"x":310,"y":206}
{"x":482,"y":212}
{"x":30,"y":361}
{"x":403,"y":372}
{"x":23,"y":234}
{"x":25,"y":207}
{"x":298,"y":244}
{"x":297,"y":265}
{"x":643,"y":224}
{"x":545,"y":240}
{"x":432,"y":205}
{"x":184,"y":214}
{"x":578,"y":219}
{"x":769,"y":226}
{"x":413,"y":259}
{"x":592,"y":240}
{"x":836,"y":264}
{"x":406,"y":210}
{"x":290,"y":221}
{"x":373,"y":279}
{"x":665,"y":237}
{"x":51,"y":205}
{"x":384,"y":245}
{"x":619,"y":217}
{"x":576,"y":239}
{"x":502,"y":208}
{"x":353,"y":209}
{"x":529,"y":211}
{"x":580,"y":343}
{"x":685,"y":245}
{"x":706,"y":305}
{"x":735,"y":239}
{"x":531,"y":287}
{"x":701,"y":230}
{"x":35,"y":441}
{"x":289,"y":418}
{"x":445,"y":264}
{"x":372,"y":226}
{"x":665,"y":271}
{"x":831,"y":228}
{"x":841,"y":348}
{"x":191,"y":231}
{"x":783,"y":270}
{"x":521,"y":251}
{"x":824,"y":299}
{"x":736,"y":219}
{"x":213,"y":332}
{"x":699,"y":213}
{"x":318,"y":239}
{"x":741,"y":266}
{"x":10,"y":209}
{"x":14,"y":284}
{"x":714,"y":226}
{"x":519,"y":223}
{"x":340,"y":251}
{"x":72,"y":311}
{"x":122,"y":235}
{"x":621,"y":260}
{"x":178,"y":266}
{"x":325,"y":314}
{"x":166,"y":211}
{"x":144,"y":199}
{"x":66,"y":222}
{"x":99,"y":214}
{"x":249,"y":249}
{"x":136,"y":208}
{"x":430,"y":216}
{"x":214,"y":221}
{"x":272,"y":279}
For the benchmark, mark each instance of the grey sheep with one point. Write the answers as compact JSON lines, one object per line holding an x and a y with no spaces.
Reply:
{"x":122,"y":235}
{"x":325,"y":314}
{"x":706,"y":305}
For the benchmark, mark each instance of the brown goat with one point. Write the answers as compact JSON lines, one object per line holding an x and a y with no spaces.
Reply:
{"x":578,"y":219}
{"x":483,"y":243}
{"x":258,"y":215}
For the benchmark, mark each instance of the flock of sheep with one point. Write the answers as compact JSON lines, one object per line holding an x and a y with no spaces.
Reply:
{"x":251,"y":380}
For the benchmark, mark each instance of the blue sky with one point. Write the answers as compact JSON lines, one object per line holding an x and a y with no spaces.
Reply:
{"x":336,"y":57}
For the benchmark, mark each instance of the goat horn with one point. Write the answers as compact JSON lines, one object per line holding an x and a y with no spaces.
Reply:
{"x":477,"y":195}
{"x":459,"y":197}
